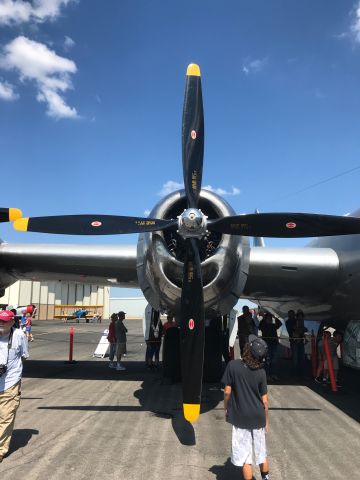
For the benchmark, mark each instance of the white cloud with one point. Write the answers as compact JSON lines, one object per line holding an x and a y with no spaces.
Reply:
{"x":20,"y":11}
{"x":254,"y":66}
{"x":146,"y":212}
{"x":171,"y":186}
{"x":222,"y":191}
{"x":68,"y":43}
{"x":7,"y":92}
{"x":51,"y":73}
{"x":355,"y":26}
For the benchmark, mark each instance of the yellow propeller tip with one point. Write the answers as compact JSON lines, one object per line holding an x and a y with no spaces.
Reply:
{"x":21,"y":224}
{"x":191,"y":411}
{"x":14,"y":214}
{"x":193,"y":70}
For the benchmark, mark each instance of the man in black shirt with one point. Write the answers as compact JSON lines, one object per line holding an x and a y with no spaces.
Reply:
{"x":246,"y":326}
{"x":246,"y":407}
{"x":269,"y":334}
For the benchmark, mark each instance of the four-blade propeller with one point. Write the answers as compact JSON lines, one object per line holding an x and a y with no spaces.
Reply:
{"x":192,"y":225}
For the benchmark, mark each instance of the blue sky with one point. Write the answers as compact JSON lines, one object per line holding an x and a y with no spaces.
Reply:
{"x":91,"y":98}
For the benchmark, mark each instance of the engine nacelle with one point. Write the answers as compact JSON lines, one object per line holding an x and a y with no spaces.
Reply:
{"x":224,"y":259}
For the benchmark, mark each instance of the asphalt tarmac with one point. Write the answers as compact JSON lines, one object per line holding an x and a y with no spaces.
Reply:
{"x":86,"y":421}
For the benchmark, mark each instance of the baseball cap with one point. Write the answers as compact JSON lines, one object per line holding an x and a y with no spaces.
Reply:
{"x":122,"y":313}
{"x":6,"y":316}
{"x":258,"y":347}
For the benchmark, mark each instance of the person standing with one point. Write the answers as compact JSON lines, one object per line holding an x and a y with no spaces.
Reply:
{"x":170,"y":322}
{"x":28,"y":326}
{"x":246,"y":407}
{"x":120,"y":332}
{"x":154,"y":343}
{"x":298,"y":338}
{"x":13,"y":349}
{"x":246,"y":326}
{"x":290,"y":325}
{"x":269,"y":334}
{"x":112,"y":340}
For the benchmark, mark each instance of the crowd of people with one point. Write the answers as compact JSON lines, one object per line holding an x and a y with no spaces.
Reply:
{"x":117,"y":339}
{"x":268,"y":326}
{"x":261,"y":323}
{"x":245,"y":380}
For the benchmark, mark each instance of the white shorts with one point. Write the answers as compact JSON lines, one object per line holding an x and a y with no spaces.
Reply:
{"x":244,"y":443}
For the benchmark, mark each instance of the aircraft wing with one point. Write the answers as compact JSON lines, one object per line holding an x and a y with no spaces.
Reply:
{"x":284,"y":278}
{"x":97,"y":264}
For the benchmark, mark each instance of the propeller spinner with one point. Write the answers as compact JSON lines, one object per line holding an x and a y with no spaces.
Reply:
{"x":192,"y":225}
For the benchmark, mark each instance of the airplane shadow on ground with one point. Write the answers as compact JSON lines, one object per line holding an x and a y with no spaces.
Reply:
{"x":163,"y":399}
{"x":169,"y":405}
{"x":346,"y":399}
{"x":20,"y":438}
{"x":156,"y":395}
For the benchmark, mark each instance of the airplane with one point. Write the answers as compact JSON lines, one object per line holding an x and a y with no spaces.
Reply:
{"x":193,"y":256}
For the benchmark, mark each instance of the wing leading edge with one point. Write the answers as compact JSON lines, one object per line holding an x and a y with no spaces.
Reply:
{"x":98,"y":264}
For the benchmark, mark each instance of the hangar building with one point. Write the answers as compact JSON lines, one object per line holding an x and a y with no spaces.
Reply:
{"x":55,"y":298}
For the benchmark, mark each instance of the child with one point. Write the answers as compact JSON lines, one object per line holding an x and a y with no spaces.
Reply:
{"x":28,"y":324}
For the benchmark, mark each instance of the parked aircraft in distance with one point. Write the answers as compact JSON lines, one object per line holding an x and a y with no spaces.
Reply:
{"x":194,"y":258}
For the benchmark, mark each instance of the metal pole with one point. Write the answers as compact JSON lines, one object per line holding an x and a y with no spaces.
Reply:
{"x":71,"y":344}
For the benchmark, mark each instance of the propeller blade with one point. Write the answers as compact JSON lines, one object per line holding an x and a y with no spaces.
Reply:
{"x":92,"y":224}
{"x":9,"y":214}
{"x":287,"y":225}
{"x":193,"y":135}
{"x":192,"y":331}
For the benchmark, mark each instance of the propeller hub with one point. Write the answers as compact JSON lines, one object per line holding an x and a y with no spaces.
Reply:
{"x":192,"y":223}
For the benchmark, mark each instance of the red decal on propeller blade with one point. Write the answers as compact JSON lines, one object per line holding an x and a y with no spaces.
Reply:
{"x":193,"y":134}
{"x":291,"y":225}
{"x":191,"y":324}
{"x":96,"y":224}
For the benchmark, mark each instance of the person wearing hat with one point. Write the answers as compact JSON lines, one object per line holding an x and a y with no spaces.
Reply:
{"x":246,"y":407}
{"x":13,"y":349}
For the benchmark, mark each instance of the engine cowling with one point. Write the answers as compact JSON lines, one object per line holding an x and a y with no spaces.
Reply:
{"x":224,"y":259}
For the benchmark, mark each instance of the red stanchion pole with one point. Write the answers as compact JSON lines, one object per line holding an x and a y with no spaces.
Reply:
{"x":71,"y":344}
{"x":313,"y":354}
{"x":330,"y":364}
